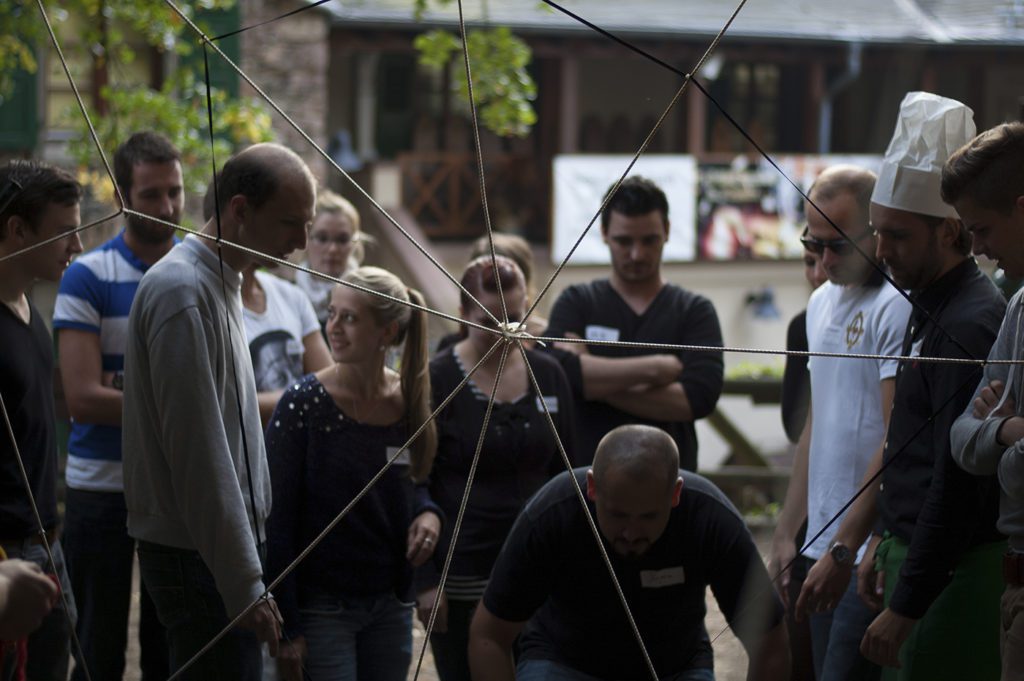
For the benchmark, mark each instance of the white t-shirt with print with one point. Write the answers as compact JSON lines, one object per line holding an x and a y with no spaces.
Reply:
{"x":847,"y":425}
{"x":275,"y":336}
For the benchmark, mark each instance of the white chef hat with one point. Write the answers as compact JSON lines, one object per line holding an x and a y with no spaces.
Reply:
{"x":930,"y":128}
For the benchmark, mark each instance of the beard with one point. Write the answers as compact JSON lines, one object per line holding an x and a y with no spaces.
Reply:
{"x":150,"y":232}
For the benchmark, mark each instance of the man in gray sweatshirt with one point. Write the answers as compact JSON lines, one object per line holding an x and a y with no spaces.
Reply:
{"x":196,"y":481}
{"x":984,"y":180}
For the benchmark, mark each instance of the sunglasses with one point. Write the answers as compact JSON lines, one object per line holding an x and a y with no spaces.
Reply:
{"x":838,"y":246}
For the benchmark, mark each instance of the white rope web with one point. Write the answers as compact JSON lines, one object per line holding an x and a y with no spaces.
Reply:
{"x":509,"y":336}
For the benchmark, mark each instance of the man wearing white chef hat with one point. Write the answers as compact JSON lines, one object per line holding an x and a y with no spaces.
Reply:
{"x":934,"y":553}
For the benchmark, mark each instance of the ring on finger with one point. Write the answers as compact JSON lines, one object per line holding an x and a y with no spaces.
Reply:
{"x":428,"y":540}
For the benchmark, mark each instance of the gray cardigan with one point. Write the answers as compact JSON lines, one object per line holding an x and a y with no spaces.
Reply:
{"x":185,"y":477}
{"x":974,"y":444}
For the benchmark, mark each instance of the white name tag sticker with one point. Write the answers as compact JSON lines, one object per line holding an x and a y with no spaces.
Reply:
{"x":656,"y":579}
{"x":915,"y":348}
{"x":600,"y":333}
{"x":403,"y":458}
{"x":551,"y":401}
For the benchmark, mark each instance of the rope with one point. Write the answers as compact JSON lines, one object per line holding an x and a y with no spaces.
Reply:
{"x":480,"y":163}
{"x":337,"y":519}
{"x":43,"y":538}
{"x":327,"y":158}
{"x":590,"y":521}
{"x":462,"y":506}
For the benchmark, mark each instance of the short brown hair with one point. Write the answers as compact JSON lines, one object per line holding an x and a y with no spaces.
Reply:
{"x":142,"y":147}
{"x":40,"y":185}
{"x":989,"y":169}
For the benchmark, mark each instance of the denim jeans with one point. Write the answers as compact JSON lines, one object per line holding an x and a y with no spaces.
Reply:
{"x":100,"y":555}
{"x":548,"y":670}
{"x":368,"y":638}
{"x":836,"y":637}
{"x":49,"y":646}
{"x":190,"y":608}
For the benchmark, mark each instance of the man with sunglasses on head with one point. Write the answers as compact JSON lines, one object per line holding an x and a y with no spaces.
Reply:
{"x":935,"y":552}
{"x":854,"y":312}
{"x":615,"y":385}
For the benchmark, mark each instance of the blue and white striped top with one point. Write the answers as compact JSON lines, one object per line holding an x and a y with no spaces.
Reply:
{"x":96,"y":295}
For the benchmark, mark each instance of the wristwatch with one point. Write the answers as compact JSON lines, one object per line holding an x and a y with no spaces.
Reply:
{"x":840,"y":553}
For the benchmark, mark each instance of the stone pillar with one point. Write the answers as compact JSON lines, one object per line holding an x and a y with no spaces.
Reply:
{"x":289,"y":59}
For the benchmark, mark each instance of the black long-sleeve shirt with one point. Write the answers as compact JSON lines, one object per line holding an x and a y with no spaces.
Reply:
{"x":320,"y":459}
{"x":595,"y":311}
{"x":519,"y":455}
{"x":925,"y":498}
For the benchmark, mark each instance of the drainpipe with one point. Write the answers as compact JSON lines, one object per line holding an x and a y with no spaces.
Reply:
{"x":838,"y":85}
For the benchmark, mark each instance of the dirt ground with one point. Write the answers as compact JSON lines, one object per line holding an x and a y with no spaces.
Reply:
{"x":730,"y":658}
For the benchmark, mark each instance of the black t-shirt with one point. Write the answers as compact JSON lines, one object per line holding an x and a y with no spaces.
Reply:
{"x":26,"y":383}
{"x":595,"y":311}
{"x":551,"y":573}
{"x":519,"y":455}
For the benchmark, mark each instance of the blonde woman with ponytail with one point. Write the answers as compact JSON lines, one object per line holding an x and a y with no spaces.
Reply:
{"x":348,"y":607}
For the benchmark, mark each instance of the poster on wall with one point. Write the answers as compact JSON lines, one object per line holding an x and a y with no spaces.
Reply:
{"x":751,"y":212}
{"x":580,"y":182}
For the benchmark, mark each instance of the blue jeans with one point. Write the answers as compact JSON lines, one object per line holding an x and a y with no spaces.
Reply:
{"x":49,"y":646}
{"x":368,"y":638}
{"x":100,"y":555}
{"x":190,"y":608}
{"x":836,"y":637}
{"x":548,"y":670}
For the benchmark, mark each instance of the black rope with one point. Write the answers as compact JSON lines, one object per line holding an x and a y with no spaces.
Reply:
{"x":297,"y":10}
{"x":764,"y":154}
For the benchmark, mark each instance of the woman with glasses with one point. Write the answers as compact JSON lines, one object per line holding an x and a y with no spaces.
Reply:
{"x":347,"y":608}
{"x":519,"y":453}
{"x":335,"y":246}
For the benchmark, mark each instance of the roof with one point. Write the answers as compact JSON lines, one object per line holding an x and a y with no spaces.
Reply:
{"x":975,"y":22}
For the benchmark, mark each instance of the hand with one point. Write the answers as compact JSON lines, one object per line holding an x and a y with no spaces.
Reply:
{"x":824,"y":587}
{"x":783,"y":551}
{"x":425,"y":605}
{"x":667,"y":368}
{"x":264,"y":620}
{"x":421,"y":540}
{"x":884,"y":638}
{"x":870,"y":583}
{"x":27,"y":596}
{"x":986,"y":401}
{"x":290,"y":655}
{"x":574,"y":348}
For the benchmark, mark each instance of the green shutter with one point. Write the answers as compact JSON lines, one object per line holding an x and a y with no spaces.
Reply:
{"x":215,"y":23}
{"x":19,"y":114}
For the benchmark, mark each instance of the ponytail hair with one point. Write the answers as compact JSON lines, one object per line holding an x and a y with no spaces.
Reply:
{"x":414,"y":369}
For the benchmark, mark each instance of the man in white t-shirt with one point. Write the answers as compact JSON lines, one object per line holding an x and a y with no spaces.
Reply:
{"x":855,"y":312}
{"x":283,"y":333}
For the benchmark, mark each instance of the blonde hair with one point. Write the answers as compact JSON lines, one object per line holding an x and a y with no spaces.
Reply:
{"x":334,"y":204}
{"x":414,"y":369}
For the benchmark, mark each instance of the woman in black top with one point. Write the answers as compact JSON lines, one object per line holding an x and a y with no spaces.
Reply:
{"x":347,"y":608}
{"x":519,"y":453}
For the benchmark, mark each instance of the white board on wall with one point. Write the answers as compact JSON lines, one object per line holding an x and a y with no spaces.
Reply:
{"x":581,"y":181}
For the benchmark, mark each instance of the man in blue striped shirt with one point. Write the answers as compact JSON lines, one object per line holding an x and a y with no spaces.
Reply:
{"x":91,"y":322}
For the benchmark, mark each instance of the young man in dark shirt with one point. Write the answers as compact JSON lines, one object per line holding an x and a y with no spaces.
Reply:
{"x":44,"y":205}
{"x":619,"y":385}
{"x":935,"y":554}
{"x":668,"y":534}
